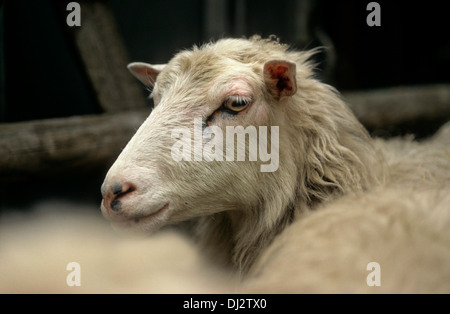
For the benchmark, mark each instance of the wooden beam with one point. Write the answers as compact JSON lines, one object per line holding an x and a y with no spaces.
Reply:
{"x":105,"y":58}
{"x":391,"y":107}
{"x":215,"y":21}
{"x":64,"y":145}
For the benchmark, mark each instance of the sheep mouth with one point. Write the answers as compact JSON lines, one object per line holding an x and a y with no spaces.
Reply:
{"x":149,"y":221}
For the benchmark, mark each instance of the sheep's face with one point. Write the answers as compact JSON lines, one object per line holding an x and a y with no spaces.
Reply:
{"x":181,"y":163}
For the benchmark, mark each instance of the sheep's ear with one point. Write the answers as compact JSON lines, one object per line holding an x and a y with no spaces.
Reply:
{"x":280,"y":79}
{"x":146,"y":73}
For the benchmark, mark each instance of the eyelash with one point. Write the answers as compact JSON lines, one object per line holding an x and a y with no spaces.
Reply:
{"x":243,"y":102}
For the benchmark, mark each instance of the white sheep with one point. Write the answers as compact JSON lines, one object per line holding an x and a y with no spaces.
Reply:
{"x":324,"y":151}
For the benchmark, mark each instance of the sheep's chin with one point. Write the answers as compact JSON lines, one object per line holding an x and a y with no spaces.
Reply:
{"x":143,"y":224}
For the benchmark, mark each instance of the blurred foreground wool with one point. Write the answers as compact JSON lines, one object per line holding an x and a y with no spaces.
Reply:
{"x":35,"y":251}
{"x":405,"y":230}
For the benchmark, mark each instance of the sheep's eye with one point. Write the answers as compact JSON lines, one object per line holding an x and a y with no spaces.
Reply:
{"x":236,"y":104}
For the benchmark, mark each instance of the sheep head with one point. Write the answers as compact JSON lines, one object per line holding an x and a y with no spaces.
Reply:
{"x":178,"y":165}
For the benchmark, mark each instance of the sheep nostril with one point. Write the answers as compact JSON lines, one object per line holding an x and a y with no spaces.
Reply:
{"x":116,"y":205}
{"x":112,"y":199}
{"x":125,"y":189}
{"x":117,"y":188}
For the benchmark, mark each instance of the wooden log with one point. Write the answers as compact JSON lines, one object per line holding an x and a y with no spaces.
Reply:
{"x":390,"y":107}
{"x":57,"y":146}
{"x":105,"y":58}
{"x":65,"y":145}
{"x":215,"y":21}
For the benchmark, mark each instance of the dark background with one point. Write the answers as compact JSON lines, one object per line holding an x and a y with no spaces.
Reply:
{"x":42,"y":76}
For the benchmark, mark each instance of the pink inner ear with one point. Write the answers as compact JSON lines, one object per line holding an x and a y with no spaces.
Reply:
{"x":143,"y":71}
{"x":279,"y":73}
{"x":280,"y":77}
{"x":147,"y":74}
